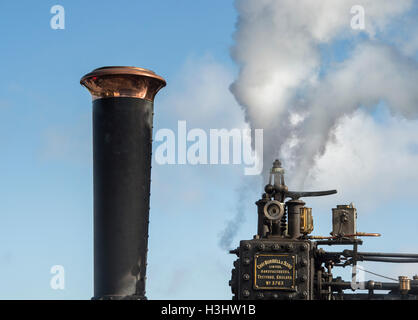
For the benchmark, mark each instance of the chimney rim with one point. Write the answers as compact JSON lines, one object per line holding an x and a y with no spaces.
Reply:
{"x":122,"y":70}
{"x":118,"y":81}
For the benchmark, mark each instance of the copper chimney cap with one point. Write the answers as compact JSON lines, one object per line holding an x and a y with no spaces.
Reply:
{"x":116,"y":81}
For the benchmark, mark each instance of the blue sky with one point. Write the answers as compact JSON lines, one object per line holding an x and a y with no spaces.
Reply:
{"x":46,"y":174}
{"x":46,"y":159}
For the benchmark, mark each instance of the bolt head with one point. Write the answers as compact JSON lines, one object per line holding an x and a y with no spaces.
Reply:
{"x":269,"y":189}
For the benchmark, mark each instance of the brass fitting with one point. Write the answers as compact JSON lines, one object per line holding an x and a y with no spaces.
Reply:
{"x":404,"y":284}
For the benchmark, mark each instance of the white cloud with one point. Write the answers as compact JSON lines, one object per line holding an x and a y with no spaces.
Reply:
{"x":370,"y":163}
{"x":200,"y":95}
{"x":69,"y":143}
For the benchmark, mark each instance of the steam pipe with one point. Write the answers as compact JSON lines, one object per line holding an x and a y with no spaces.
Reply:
{"x":293,"y":212}
{"x":368,"y":285}
{"x":382,"y":254}
{"x":382,"y":259}
{"x":122,"y":139}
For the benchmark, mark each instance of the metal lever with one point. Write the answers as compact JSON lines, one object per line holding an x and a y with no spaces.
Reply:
{"x":277,"y":186}
{"x":295,"y":195}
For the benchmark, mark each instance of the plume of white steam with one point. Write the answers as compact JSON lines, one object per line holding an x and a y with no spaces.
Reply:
{"x":277,"y":46}
{"x":375,"y":73}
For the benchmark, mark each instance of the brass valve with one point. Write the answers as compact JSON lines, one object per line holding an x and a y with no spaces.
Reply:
{"x":306,"y":220}
{"x":404,"y":284}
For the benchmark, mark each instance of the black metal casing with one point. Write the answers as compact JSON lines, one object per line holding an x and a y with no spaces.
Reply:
{"x":122,"y":133}
{"x":278,"y":269}
{"x":284,"y":262}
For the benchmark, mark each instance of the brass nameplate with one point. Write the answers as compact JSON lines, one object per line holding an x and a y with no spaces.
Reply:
{"x":274,"y":271}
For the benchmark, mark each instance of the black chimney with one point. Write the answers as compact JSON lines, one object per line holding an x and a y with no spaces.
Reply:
{"x":122,"y":144}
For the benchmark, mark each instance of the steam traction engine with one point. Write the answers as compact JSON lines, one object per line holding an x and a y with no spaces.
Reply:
{"x":284,"y":262}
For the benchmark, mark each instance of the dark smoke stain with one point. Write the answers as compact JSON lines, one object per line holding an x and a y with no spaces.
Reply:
{"x":243,"y":205}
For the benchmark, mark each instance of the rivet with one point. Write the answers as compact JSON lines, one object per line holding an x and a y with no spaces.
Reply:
{"x":289,"y":247}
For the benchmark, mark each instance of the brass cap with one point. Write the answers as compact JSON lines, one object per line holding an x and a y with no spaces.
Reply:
{"x":118,"y":81}
{"x":404,"y":284}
